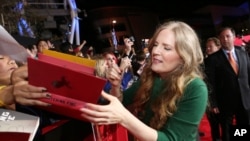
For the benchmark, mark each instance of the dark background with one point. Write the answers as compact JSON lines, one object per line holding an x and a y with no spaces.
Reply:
{"x":165,"y":8}
{"x":174,"y":9}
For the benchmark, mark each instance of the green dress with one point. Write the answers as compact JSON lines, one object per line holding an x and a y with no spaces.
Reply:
{"x":183,"y":124}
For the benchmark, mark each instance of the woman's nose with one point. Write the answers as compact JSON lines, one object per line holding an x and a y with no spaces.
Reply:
{"x":156,"y":50}
{"x":11,"y":61}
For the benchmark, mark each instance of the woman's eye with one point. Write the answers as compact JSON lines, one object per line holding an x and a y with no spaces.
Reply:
{"x":167,"y":48}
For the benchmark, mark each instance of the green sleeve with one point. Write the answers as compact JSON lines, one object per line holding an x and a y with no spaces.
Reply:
{"x":183,"y":125}
{"x":128,"y":94}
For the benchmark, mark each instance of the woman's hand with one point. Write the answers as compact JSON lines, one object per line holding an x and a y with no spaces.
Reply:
{"x":114,"y":75}
{"x":125,"y":63}
{"x":26,"y":94}
{"x":23,"y":92}
{"x":112,"y":113}
{"x":20,"y":74}
{"x":116,"y":113}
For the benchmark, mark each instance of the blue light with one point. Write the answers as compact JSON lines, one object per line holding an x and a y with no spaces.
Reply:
{"x":22,"y":25}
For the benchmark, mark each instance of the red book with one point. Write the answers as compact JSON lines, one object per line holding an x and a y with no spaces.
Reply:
{"x":65,"y":63}
{"x":70,"y":87}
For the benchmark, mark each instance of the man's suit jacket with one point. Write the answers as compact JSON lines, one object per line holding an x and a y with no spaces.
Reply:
{"x":228,"y":90}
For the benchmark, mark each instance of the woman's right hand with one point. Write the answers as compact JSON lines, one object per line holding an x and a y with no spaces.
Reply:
{"x":125,"y":64}
{"x":114,"y":75}
{"x":29,"y":95}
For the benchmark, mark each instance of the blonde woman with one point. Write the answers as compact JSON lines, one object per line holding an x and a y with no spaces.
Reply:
{"x":100,"y":65}
{"x":169,"y":100}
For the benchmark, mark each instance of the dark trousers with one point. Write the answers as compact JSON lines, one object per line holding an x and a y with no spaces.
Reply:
{"x":226,"y":120}
{"x":214,"y":123}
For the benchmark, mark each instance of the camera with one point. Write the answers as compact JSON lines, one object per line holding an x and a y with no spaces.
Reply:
{"x":131,"y":38}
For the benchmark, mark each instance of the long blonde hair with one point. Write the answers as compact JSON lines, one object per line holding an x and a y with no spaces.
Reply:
{"x":189,"y":49}
{"x":100,"y":61}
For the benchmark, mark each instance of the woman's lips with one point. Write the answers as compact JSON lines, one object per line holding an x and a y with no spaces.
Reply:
{"x":156,"y":60}
{"x":13,"y":68}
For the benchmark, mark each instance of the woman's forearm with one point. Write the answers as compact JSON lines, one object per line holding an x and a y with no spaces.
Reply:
{"x":116,"y":91}
{"x":140,"y":130}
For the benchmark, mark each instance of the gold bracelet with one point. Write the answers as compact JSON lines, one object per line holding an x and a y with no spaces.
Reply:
{"x":2,"y":86}
{"x":2,"y":103}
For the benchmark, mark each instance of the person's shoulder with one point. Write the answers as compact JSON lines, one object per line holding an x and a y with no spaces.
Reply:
{"x":215,"y":55}
{"x":197,"y":81}
{"x":196,"y":87}
{"x":219,"y":52}
{"x":239,"y":48}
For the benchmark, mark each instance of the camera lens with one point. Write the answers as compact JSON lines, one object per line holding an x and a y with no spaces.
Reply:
{"x":132,"y":39}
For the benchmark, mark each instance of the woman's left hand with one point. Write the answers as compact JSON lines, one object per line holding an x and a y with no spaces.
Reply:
{"x":105,"y":114}
{"x":20,"y":74}
{"x":29,"y":95}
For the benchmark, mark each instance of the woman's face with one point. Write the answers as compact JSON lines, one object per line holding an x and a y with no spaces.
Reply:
{"x":7,"y":66}
{"x":34,"y":50}
{"x":164,"y":56}
{"x":128,"y":43}
{"x":110,"y":58}
{"x":211,"y":47}
{"x":42,"y":45}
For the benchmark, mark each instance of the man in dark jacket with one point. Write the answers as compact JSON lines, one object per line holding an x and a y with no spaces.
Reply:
{"x":230,"y":96}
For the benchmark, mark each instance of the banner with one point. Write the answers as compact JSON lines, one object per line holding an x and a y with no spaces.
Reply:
{"x":9,"y":46}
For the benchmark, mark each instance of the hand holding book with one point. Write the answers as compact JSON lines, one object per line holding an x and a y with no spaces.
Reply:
{"x":20,"y":91}
{"x":70,"y":84}
{"x":23,"y":92}
{"x":26,"y":94}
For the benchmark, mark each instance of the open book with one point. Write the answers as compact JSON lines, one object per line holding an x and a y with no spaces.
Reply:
{"x":17,"y":126}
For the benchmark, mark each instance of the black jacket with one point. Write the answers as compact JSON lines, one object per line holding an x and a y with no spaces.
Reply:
{"x":228,"y":89}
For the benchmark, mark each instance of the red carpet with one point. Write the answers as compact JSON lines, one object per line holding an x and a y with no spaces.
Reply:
{"x":205,"y":129}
